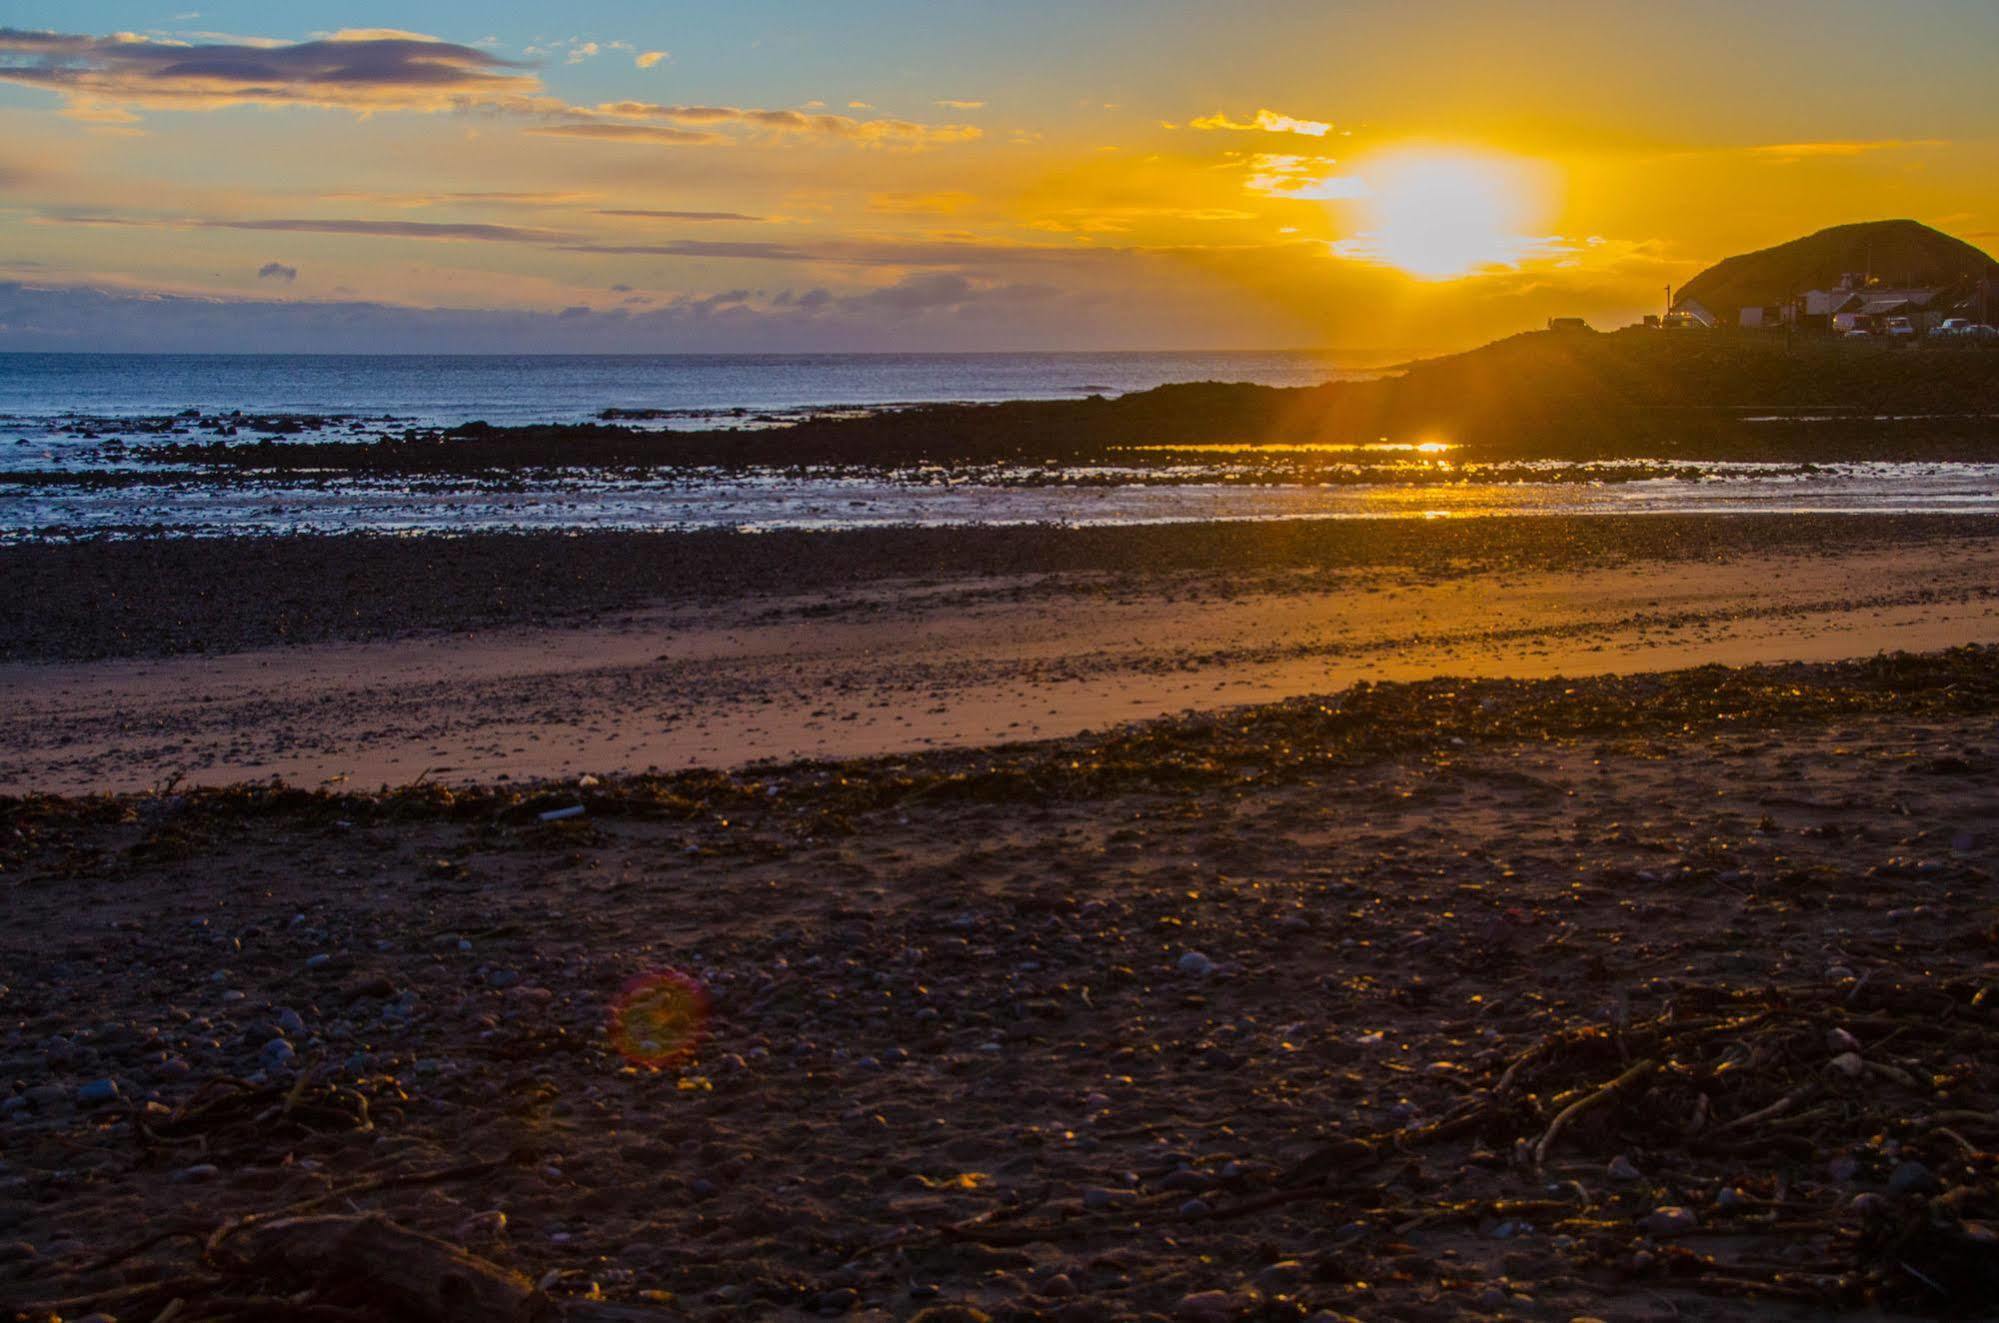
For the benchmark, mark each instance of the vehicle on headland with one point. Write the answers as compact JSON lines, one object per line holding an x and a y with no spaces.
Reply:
{"x":1954,"y":328}
{"x":1857,"y":333}
{"x":1898,"y":327}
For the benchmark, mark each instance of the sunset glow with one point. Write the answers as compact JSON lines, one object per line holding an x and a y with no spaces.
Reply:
{"x":784,"y":177}
{"x":1442,"y":215}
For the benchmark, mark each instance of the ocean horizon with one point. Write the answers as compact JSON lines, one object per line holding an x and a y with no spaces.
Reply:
{"x":444,"y":390}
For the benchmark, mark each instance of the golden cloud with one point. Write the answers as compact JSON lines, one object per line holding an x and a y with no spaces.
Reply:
{"x":1266,"y":121}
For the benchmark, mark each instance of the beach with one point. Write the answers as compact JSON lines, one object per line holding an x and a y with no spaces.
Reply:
{"x":1180,"y":922}
{"x":1247,"y":1015}
{"x":545,"y":658}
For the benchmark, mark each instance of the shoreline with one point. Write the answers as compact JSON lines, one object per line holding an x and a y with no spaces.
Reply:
{"x":873,"y":652}
{"x":151,"y":596}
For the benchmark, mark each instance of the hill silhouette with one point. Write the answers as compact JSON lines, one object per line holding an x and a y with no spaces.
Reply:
{"x":1901,"y":253}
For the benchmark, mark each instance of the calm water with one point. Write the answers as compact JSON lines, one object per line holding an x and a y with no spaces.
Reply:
{"x":445,"y":390}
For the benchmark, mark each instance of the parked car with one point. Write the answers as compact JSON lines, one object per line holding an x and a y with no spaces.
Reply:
{"x":1897,"y":327}
{"x":1858,"y":333}
{"x":1964,"y":328}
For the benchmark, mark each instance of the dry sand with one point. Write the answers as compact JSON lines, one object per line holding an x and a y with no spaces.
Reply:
{"x":892,"y":665}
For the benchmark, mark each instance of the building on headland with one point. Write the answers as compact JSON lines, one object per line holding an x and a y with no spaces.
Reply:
{"x":1858,"y":303}
{"x":1690,"y":315}
{"x":1893,"y":277}
{"x":1567,"y":324}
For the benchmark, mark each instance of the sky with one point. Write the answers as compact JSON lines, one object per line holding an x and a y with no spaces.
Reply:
{"x":1374,"y":177}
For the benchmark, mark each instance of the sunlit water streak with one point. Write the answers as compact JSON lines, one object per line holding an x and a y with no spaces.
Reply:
{"x":193,"y":505}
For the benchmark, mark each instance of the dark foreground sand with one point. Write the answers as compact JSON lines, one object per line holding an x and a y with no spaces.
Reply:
{"x":1666,"y":997}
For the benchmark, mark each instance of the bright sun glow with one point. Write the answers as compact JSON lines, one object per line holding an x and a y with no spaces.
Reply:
{"x":1438,"y":215}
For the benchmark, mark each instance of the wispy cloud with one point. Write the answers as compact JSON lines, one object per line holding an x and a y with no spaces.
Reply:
{"x":786,"y":123}
{"x":921,"y":204}
{"x":1266,"y":121}
{"x":949,"y":103}
{"x":1785,"y":153}
{"x":464,"y":199}
{"x":1304,"y":178}
{"x":647,"y":59}
{"x":314,"y":225}
{"x":609,"y":131}
{"x":358,"y":69}
{"x":642,"y":213}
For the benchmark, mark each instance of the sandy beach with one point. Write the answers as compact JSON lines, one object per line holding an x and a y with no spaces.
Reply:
{"x":893,"y":663}
{"x":1252,"y":1017}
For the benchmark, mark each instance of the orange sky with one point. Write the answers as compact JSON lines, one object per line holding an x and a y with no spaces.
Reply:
{"x":1364,"y":176}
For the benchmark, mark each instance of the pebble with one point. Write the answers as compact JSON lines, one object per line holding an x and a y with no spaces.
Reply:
{"x":1867,"y":1205}
{"x":1622,"y":1169}
{"x":1195,"y":965}
{"x":290,"y":1020}
{"x":1209,"y":1307}
{"x":1850,"y":1065}
{"x":502,"y":978}
{"x":1911,"y":1178}
{"x":1671,"y":1220}
{"x":98,"y":1092}
{"x":319,"y":961}
{"x":1195,"y":1208}
{"x":1100,"y":1197}
{"x":1058,"y":1287}
{"x":1282,"y":1278}
{"x":277,"y":1055}
{"x":201,"y":1171}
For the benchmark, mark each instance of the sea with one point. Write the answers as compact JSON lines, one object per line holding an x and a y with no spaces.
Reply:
{"x":75,"y":430}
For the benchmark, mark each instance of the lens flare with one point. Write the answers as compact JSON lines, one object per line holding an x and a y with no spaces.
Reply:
{"x":659,"y":1019}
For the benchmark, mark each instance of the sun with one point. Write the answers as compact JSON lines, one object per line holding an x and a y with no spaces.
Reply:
{"x":1439,"y":215}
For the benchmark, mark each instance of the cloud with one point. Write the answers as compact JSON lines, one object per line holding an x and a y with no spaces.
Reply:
{"x":1266,"y":121}
{"x":355,"y":69}
{"x":277,"y":271}
{"x":290,"y":225}
{"x":932,"y":289}
{"x":1304,"y":178}
{"x":782,"y":122}
{"x":394,"y":229}
{"x":921,"y":204}
{"x":647,"y":59}
{"x":642,"y":213}
{"x":767,"y":252}
{"x":501,"y":199}
{"x":1787,"y":153}
{"x":653,"y":133}
{"x":950,"y":104}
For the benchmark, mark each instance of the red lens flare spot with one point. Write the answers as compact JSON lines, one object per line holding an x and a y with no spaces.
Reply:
{"x":659,"y":1019}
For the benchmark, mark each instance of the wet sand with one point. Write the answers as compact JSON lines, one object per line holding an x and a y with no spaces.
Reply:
{"x":895,"y":664}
